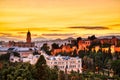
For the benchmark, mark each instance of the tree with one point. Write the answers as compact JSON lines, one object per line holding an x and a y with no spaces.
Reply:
{"x":22,"y":71}
{"x":54,"y":73}
{"x":115,"y":65}
{"x":55,"y":46}
{"x":92,"y":37}
{"x":16,"y":54}
{"x":74,"y":53}
{"x":41,"y":61}
{"x":81,"y":53}
{"x":78,"y":39}
{"x":41,"y":67}
{"x":5,"y":57}
{"x":45,"y":47}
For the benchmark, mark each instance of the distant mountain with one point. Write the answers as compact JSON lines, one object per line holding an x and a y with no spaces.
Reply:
{"x":58,"y":39}
{"x":40,"y":39}
{"x":8,"y":39}
{"x":69,"y":38}
{"x":109,"y":37}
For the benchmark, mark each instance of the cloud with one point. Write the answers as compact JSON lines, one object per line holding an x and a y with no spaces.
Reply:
{"x":26,"y":33}
{"x":58,"y":34}
{"x":89,"y":27}
{"x":114,"y":33}
{"x":5,"y":34}
{"x":55,"y":30}
{"x":2,"y":38}
{"x":31,"y":29}
{"x":115,"y":25}
{"x":22,"y":32}
{"x":35,"y":35}
{"x":9,"y":35}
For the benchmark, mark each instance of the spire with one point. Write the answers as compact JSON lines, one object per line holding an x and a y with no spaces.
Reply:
{"x":28,"y":39}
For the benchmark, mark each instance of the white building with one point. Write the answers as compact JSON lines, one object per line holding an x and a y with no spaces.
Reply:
{"x":64,"y":62}
{"x":32,"y":59}
{"x":26,"y":55}
{"x":3,"y":50}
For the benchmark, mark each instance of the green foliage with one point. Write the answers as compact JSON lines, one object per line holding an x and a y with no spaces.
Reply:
{"x":41,"y":68}
{"x":22,"y":71}
{"x":26,"y":71}
{"x":81,"y":53}
{"x":74,"y":53}
{"x":116,"y":66}
{"x":4,"y":57}
{"x":45,"y":47}
{"x":92,"y":37}
{"x":55,"y":46}
{"x":41,"y":62}
{"x":16,"y":54}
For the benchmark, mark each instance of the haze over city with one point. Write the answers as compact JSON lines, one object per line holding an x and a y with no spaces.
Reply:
{"x":59,"y":18}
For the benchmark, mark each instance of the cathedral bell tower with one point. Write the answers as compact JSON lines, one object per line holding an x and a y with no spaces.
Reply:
{"x":28,"y":39}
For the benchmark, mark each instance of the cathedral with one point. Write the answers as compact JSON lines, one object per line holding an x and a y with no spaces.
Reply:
{"x":28,"y":39}
{"x":28,"y":42}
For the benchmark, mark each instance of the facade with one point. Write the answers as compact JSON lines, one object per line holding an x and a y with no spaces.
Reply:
{"x":112,"y":48}
{"x":26,"y":57}
{"x":83,"y":44}
{"x":65,"y":48}
{"x":115,"y":49}
{"x":64,"y":62}
{"x":112,"y":41}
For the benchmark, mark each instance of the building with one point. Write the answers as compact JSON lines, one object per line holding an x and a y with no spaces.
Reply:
{"x":30,"y":58}
{"x":26,"y":55}
{"x":28,"y":39}
{"x":64,"y":62}
{"x":28,"y":42}
{"x":65,"y":48}
{"x":3,"y":50}
{"x":112,"y":41}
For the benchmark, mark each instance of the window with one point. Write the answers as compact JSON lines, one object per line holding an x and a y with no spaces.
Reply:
{"x":55,"y":62}
{"x":79,"y":61}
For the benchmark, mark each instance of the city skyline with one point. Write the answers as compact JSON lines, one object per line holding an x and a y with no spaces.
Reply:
{"x":59,"y":18}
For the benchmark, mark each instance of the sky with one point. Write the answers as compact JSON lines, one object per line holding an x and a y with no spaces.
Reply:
{"x":58,"y":18}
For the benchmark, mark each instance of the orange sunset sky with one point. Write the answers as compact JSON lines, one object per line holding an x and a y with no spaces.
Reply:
{"x":59,"y":18}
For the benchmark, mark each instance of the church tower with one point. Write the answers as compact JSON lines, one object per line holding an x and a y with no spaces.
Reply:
{"x":28,"y":39}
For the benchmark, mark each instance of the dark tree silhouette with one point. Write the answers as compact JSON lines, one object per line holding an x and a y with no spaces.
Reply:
{"x":92,"y":37}
{"x":55,"y":46}
{"x":41,"y":67}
